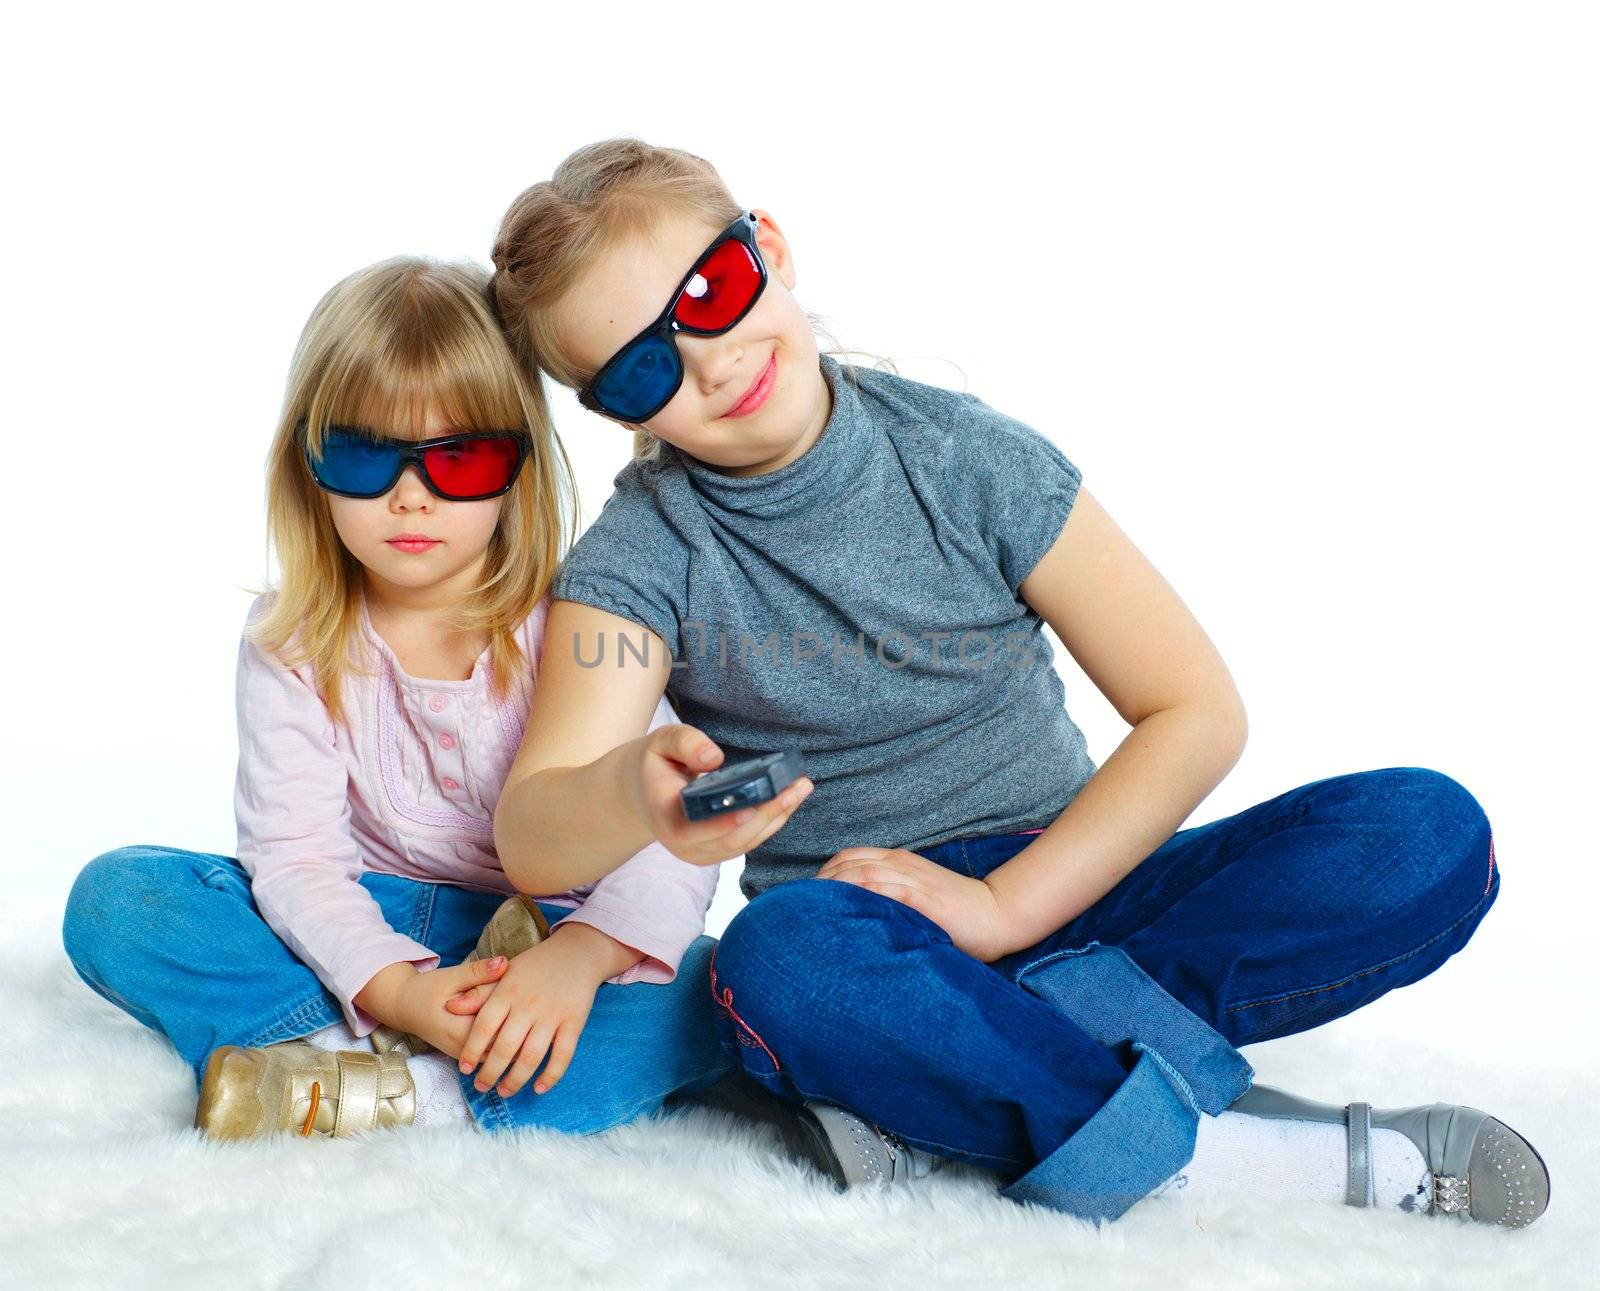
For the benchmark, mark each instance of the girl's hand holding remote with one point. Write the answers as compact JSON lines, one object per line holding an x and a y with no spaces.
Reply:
{"x":670,"y":757}
{"x":966,"y":908}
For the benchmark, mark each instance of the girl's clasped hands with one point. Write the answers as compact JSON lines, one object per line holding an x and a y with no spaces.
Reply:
{"x":539,"y":1005}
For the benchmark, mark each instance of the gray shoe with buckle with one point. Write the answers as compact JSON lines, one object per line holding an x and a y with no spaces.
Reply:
{"x":852,"y":1151}
{"x":1482,"y":1169}
{"x":833,"y":1140}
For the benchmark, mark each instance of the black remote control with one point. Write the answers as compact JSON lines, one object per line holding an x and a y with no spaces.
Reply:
{"x":744,"y":784}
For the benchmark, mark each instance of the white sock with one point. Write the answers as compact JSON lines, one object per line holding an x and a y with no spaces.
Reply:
{"x":439,"y":1097}
{"x":1292,"y":1159}
{"x":339,"y":1036}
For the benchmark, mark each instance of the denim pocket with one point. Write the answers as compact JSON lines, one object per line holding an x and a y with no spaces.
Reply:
{"x":951,"y":854}
{"x":740,"y":1041}
{"x":983,"y":855}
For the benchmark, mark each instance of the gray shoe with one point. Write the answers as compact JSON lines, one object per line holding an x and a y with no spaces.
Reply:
{"x":1482,"y":1169}
{"x":853,"y":1151}
{"x":836,"y":1142}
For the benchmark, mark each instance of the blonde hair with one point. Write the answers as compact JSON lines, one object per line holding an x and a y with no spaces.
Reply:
{"x":602,"y":195}
{"x":380,"y":349}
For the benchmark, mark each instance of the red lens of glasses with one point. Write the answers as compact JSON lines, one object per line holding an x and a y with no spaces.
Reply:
{"x":471,"y":467}
{"x":721,"y":288}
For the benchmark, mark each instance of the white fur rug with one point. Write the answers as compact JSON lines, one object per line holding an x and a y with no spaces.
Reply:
{"x":107,"y":1185}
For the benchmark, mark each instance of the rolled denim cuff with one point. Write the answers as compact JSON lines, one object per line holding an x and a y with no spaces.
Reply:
{"x":1141,"y":1136}
{"x":1114,"y":1000}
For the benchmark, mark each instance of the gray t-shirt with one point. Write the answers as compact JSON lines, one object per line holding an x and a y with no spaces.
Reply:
{"x":859,"y":605}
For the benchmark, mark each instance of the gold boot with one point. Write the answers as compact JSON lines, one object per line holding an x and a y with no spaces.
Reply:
{"x":299,"y":1087}
{"x":516,"y":925}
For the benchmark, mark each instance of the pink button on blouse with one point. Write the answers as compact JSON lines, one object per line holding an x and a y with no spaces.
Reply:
{"x":317,"y":804}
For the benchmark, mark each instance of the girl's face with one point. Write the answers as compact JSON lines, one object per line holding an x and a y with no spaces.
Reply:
{"x":620,"y":296}
{"x":368,"y":527}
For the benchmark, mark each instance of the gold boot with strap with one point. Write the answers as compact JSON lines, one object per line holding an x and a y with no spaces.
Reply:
{"x":303,"y":1089}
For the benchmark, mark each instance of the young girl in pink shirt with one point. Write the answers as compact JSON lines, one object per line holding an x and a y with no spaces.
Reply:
{"x":328,"y":978}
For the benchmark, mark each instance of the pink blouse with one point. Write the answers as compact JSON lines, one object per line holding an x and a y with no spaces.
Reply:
{"x":413,"y":794}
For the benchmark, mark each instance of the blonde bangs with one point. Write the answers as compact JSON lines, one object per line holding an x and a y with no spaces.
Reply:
{"x":412,"y":353}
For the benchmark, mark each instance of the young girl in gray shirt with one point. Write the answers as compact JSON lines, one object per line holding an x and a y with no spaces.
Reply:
{"x":965,"y":941}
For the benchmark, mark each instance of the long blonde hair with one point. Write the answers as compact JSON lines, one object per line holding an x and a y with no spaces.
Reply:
{"x":380,"y":348}
{"x":600,"y":196}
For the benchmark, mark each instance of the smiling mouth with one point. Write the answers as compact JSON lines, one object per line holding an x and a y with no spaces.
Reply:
{"x":759,"y":388}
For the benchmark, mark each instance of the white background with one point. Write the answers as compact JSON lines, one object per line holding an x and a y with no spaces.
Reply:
{"x":1307,"y":291}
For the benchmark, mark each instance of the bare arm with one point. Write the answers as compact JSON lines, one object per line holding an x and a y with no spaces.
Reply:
{"x":377,"y":997}
{"x":610,"y":956}
{"x":566,"y":815}
{"x":1138,"y":642}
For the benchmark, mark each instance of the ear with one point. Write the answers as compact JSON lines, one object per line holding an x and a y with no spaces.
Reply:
{"x":774,"y":248}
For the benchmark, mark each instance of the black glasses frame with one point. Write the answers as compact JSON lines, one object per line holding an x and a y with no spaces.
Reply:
{"x":743,"y":230}
{"x":409,"y":452}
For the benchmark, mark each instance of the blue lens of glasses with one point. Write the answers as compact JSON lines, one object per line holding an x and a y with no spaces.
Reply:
{"x":356,"y":464}
{"x":640,"y":380}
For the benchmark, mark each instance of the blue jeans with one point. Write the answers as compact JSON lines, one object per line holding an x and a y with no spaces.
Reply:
{"x":174,"y":938}
{"x":1077,"y":1068}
